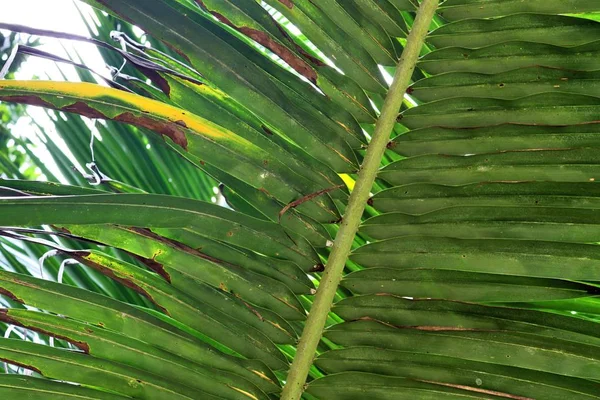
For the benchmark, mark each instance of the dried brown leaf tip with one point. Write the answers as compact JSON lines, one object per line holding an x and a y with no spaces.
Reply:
{"x":306,"y":198}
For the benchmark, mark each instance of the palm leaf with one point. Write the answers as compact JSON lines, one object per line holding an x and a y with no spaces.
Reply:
{"x":474,"y":273}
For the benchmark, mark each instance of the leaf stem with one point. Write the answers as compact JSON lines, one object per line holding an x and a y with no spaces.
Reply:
{"x":317,"y":317}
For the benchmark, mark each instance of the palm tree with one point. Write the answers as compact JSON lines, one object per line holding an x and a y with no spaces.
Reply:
{"x":475,"y":269}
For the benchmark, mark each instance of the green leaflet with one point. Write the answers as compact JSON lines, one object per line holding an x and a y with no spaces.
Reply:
{"x":105,"y":313}
{"x":504,"y":256}
{"x":447,"y":371}
{"x":430,"y":315}
{"x":463,"y":9}
{"x":453,"y":284}
{"x":347,"y":93}
{"x":336,"y":44}
{"x":507,"y":137}
{"x":424,"y":198}
{"x":20,"y":386}
{"x":387,"y":15}
{"x":404,"y":5}
{"x":502,"y":372}
{"x":113,"y":346}
{"x":490,"y":206}
{"x":542,"y":109}
{"x":201,"y":40}
{"x":511,"y":55}
{"x":577,"y":165}
{"x":509,"y":85}
{"x":556,"y":356}
{"x":177,"y":263}
{"x":281,"y":270}
{"x":342,"y":125}
{"x":302,"y":176}
{"x":54,"y":363}
{"x":194,"y":134}
{"x":354,"y":385}
{"x":533,"y":28}
{"x":253,"y":21}
{"x":369,"y":35}
{"x":318,"y":110}
{"x":222,"y":317}
{"x":43,"y":188}
{"x":166,"y":212}
{"x":248,"y":200}
{"x":473,"y":222}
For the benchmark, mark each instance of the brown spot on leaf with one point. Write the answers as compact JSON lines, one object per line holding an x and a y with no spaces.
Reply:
{"x":267,"y":130}
{"x":252,"y":309}
{"x":297,"y":63}
{"x":157,"y":79}
{"x":478,"y":390}
{"x":317,"y":268}
{"x":11,"y":295}
{"x":265,"y":39}
{"x":265,"y":191}
{"x":5,"y":317}
{"x":18,"y":364}
{"x":81,"y":108}
{"x":441,"y":328}
{"x":287,"y":3}
{"x":164,"y":128}
{"x":428,"y":328}
{"x":31,"y":100}
{"x":155,"y":266}
{"x":178,"y":245}
{"x":169,"y":129}
{"x":124,"y":281}
{"x":306,"y":198}
{"x":315,"y":61}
